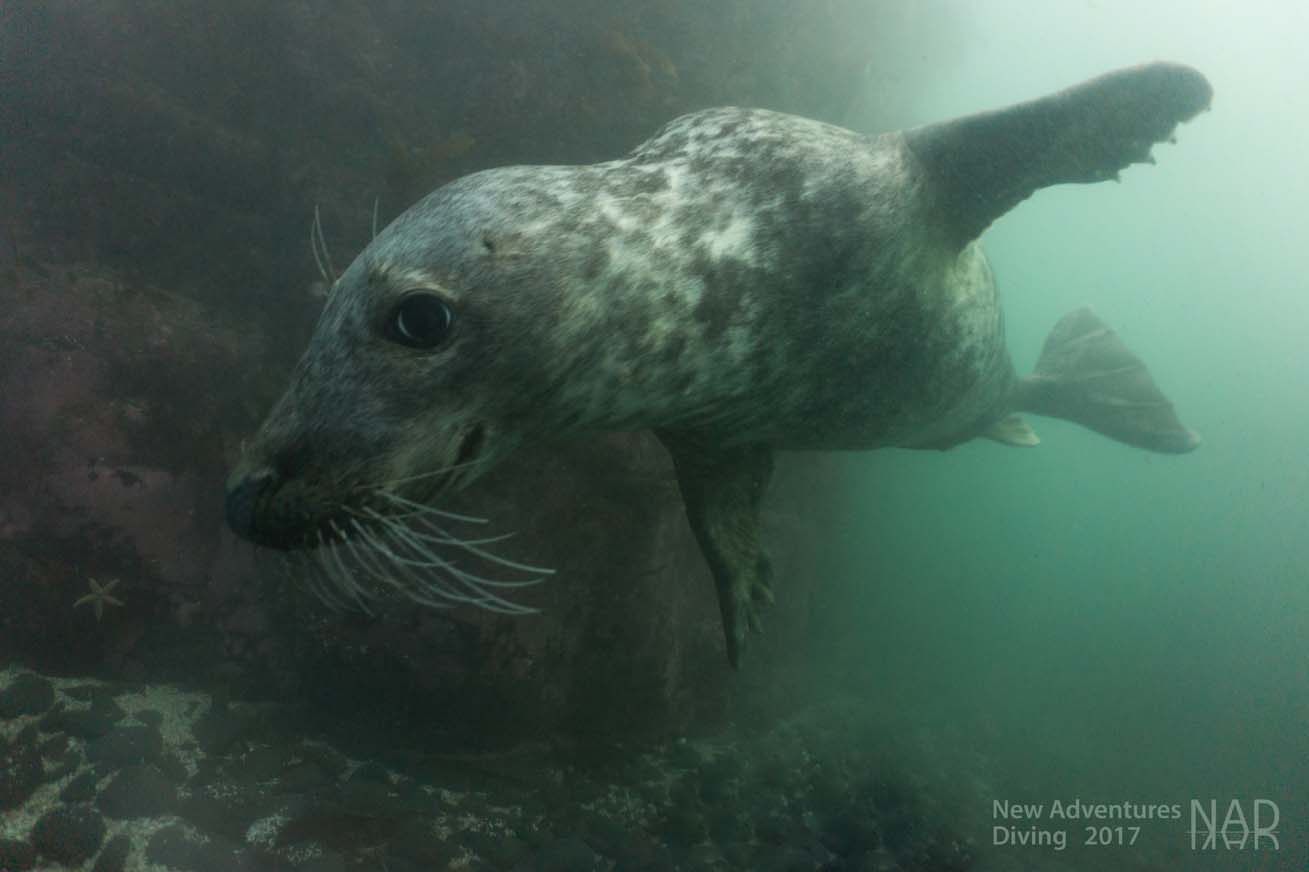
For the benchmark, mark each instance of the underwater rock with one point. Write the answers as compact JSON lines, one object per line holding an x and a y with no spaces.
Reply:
{"x":567,"y":854}
{"x":644,"y":855}
{"x":16,"y":856}
{"x":263,"y":764}
{"x":55,"y":746}
{"x":501,"y":852}
{"x":302,"y":778}
{"x":226,"y":808}
{"x":125,"y":746}
{"x":81,"y":723}
{"x":21,"y":772}
{"x":80,"y":789}
{"x":371,"y":797}
{"x":332,"y":761}
{"x":69,"y":835}
{"x":150,"y":718}
{"x":113,"y":856}
{"x":416,"y":840}
{"x":102,"y":472}
{"x":640,"y":810}
{"x":137,"y":792}
{"x":220,"y":728}
{"x":28,"y":694}
{"x":173,"y":848}
{"x":171,"y":765}
{"x":323,"y":863}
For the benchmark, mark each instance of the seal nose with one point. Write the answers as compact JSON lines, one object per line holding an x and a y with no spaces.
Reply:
{"x":241,"y":500}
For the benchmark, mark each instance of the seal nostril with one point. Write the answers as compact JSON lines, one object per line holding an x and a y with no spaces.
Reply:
{"x":470,"y":446}
{"x":241,"y":501}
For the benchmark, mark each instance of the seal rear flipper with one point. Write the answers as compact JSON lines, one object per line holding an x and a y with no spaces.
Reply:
{"x":1087,"y":375}
{"x":722,"y":489}
{"x":983,"y":165}
{"x":1012,"y":430}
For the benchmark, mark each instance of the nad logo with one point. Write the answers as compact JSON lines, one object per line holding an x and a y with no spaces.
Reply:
{"x":1237,"y":829}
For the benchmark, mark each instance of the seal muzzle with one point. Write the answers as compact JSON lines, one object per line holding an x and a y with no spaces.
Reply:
{"x":240,"y":504}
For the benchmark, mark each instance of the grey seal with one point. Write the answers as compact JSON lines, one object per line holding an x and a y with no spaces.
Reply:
{"x":744,"y":281}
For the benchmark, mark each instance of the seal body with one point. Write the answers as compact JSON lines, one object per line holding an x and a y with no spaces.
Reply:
{"x":743,"y":281}
{"x":751,"y":276}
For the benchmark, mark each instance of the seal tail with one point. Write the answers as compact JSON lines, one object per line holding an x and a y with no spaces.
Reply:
{"x":1087,"y":375}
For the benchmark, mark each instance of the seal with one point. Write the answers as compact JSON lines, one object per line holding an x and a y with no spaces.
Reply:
{"x":744,"y":281}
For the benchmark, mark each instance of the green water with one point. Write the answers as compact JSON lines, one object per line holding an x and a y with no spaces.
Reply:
{"x":1123,"y":626}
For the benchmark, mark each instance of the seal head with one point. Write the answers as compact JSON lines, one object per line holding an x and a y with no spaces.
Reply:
{"x":425,"y":366}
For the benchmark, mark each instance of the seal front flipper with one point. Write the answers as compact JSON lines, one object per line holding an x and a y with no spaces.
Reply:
{"x":981,"y":166}
{"x":1087,"y":375}
{"x":722,"y":489}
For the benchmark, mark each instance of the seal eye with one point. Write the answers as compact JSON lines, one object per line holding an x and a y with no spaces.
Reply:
{"x":421,"y":320}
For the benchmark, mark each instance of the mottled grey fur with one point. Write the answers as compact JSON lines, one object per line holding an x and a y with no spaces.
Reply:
{"x":743,"y":281}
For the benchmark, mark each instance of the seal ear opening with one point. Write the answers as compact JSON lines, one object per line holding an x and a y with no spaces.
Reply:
{"x":1087,"y":375}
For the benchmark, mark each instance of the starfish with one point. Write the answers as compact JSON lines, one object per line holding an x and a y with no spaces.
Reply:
{"x":99,"y":597}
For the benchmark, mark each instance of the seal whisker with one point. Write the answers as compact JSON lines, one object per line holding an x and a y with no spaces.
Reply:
{"x":409,"y":583}
{"x":408,"y":479}
{"x":418,"y":585}
{"x":302,"y":574}
{"x":339,"y":577}
{"x":345,"y":573}
{"x":313,"y":247}
{"x":318,"y":244}
{"x":418,"y":588}
{"x":291,"y":571}
{"x":469,"y":546}
{"x":466,"y":580}
{"x":379,"y":573}
{"x":445,"y":537}
{"x":486,"y":540}
{"x":338,"y":573}
{"x":470,"y":581}
{"x":431,"y":561}
{"x":369,"y":571}
{"x":420,"y":508}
